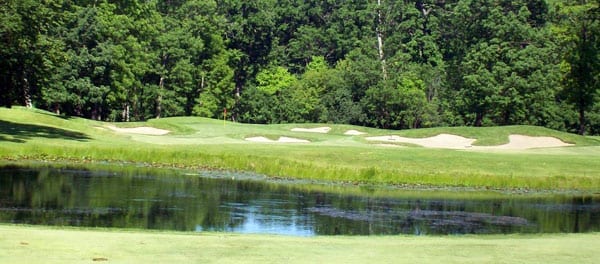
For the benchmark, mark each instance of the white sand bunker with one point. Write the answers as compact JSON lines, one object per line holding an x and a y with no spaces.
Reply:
{"x":354,"y":133}
{"x":280,"y":140}
{"x":439,"y":141}
{"x":323,"y":130}
{"x":140,"y":130}
{"x":516,"y":142}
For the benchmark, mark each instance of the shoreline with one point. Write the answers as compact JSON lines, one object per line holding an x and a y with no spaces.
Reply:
{"x":120,"y":166}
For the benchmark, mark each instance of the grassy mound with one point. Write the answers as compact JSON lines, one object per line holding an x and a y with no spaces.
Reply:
{"x":206,"y":143}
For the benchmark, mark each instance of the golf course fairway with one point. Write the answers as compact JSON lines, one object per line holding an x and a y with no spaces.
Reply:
{"x":488,"y":157}
{"x":27,"y":244}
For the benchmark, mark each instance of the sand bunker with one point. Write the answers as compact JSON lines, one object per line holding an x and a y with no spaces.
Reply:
{"x":516,"y":142}
{"x":323,"y":130}
{"x":439,"y":141}
{"x":526,"y":142}
{"x":280,"y":140}
{"x":354,"y":133}
{"x":140,"y":130}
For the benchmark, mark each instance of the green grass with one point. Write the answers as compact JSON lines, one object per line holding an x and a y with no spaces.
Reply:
{"x":199,"y":143}
{"x":24,"y":244}
{"x":37,"y":137}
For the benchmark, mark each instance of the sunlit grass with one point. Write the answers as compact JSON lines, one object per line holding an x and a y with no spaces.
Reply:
{"x":22,"y":244}
{"x":199,"y":143}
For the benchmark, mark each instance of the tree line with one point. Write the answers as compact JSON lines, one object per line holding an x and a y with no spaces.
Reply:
{"x":388,"y":64}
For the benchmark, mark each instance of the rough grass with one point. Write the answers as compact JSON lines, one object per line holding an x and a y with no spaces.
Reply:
{"x":24,"y":244}
{"x":206,"y":143}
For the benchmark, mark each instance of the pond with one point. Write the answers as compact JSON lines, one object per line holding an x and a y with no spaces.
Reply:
{"x":234,"y":203}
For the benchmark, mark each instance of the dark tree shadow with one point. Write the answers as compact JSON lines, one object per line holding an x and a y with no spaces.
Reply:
{"x":20,"y":133}
{"x":64,"y":117}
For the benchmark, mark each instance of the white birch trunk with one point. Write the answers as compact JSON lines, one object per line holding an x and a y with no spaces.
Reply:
{"x":125,"y":115}
{"x":161,"y":84}
{"x":380,"y":40}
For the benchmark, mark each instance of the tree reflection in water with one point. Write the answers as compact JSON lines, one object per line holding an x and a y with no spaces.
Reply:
{"x":142,"y":199}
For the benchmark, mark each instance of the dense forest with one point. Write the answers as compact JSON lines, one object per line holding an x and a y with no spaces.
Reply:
{"x":380,"y":63}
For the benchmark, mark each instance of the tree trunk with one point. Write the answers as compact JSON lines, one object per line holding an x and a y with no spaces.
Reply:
{"x":78,"y":109}
{"x":26,"y":94}
{"x":424,"y":28}
{"x":583,"y":77}
{"x":416,"y":123}
{"x":125,"y":114}
{"x":234,"y":111}
{"x":202,"y":84}
{"x":581,"y":120}
{"x":161,"y":85}
{"x":135,"y":108}
{"x":478,"y":119}
{"x":95,"y":112}
{"x":5,"y":90}
{"x":380,"y":40}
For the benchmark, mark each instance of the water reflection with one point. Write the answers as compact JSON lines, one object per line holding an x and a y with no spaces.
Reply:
{"x":193,"y":203}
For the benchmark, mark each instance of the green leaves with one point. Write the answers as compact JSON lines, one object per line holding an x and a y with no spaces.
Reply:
{"x":217,"y":88}
{"x":397,"y":104}
{"x":578,"y":29}
{"x":500,"y":72}
{"x":273,"y":80}
{"x":396,"y":64}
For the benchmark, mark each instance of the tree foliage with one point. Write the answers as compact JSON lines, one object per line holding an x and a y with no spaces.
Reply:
{"x":578,"y":28}
{"x":392,"y":64}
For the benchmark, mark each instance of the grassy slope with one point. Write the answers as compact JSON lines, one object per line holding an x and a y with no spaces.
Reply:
{"x":199,"y":142}
{"x":50,"y":245}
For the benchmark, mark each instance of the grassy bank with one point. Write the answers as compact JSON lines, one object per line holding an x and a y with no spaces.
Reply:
{"x":203,"y":143}
{"x":49,"y":245}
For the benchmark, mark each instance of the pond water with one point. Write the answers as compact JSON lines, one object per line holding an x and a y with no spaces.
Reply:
{"x":207,"y":203}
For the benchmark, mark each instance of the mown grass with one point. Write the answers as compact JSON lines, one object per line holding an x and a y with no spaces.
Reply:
{"x":24,"y":244}
{"x":198,"y":143}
